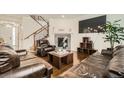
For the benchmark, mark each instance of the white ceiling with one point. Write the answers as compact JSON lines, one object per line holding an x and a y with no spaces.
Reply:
{"x":46,"y":16}
{"x":61,"y":15}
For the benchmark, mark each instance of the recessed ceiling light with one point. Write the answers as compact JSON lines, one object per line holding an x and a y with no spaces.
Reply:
{"x":62,"y":16}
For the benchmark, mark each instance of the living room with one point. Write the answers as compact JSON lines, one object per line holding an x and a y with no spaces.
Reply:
{"x":26,"y":34}
{"x":67,"y":25}
{"x":77,"y":47}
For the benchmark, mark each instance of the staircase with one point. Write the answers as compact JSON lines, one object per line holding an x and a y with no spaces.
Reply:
{"x":42,"y":32}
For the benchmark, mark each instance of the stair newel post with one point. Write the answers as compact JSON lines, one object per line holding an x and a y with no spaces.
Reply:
{"x":34,"y":43}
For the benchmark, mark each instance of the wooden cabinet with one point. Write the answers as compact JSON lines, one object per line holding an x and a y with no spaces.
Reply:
{"x":86,"y":46}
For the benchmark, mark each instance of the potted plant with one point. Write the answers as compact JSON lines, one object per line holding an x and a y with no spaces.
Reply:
{"x":113,"y":33}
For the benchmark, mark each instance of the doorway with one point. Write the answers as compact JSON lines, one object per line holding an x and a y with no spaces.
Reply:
{"x":8,"y":33}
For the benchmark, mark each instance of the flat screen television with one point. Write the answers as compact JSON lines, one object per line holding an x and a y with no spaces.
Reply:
{"x":93,"y":25}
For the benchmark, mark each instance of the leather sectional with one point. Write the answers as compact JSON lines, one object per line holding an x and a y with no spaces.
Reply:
{"x":12,"y":67}
{"x":99,"y":66}
{"x":96,"y":65}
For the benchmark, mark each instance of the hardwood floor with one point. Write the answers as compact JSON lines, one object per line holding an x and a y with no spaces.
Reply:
{"x":77,"y":58}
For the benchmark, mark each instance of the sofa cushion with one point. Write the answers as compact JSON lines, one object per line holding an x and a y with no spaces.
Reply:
{"x":118,"y":52}
{"x":118,"y":47}
{"x":44,"y":45}
{"x":48,"y":49}
{"x":85,"y":70}
{"x":97,"y":60}
{"x":117,"y":64}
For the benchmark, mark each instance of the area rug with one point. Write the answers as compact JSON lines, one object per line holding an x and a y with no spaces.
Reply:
{"x":27,"y":57}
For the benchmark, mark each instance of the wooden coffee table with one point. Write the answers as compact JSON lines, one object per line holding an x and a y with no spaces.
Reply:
{"x":57,"y":58}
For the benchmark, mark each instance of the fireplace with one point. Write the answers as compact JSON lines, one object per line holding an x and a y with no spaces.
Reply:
{"x":63,"y":41}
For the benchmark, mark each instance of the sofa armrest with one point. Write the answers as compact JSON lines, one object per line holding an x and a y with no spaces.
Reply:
{"x":21,"y":52}
{"x":31,"y":71}
{"x":49,"y":72}
{"x":53,"y":46}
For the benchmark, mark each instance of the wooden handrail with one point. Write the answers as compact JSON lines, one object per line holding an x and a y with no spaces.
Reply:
{"x":39,"y":17}
{"x":36,"y":32}
{"x":33,"y":17}
{"x":32,"y":33}
{"x":43,"y":19}
{"x":43,"y":29}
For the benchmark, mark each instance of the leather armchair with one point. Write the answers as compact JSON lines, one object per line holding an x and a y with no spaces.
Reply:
{"x":10,"y":66}
{"x":44,"y":48}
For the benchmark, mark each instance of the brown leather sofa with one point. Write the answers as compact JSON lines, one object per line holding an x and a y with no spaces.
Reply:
{"x":12,"y":67}
{"x":99,"y":66}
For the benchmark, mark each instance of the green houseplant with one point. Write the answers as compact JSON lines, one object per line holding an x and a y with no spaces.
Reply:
{"x":113,"y":33}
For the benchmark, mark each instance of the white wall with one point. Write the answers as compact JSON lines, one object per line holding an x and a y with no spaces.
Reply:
{"x":11,"y":18}
{"x":71,"y":26}
{"x":25,"y":26}
{"x":6,"y":34}
{"x":59,"y":25}
{"x":64,"y":25}
{"x":28,"y":27}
